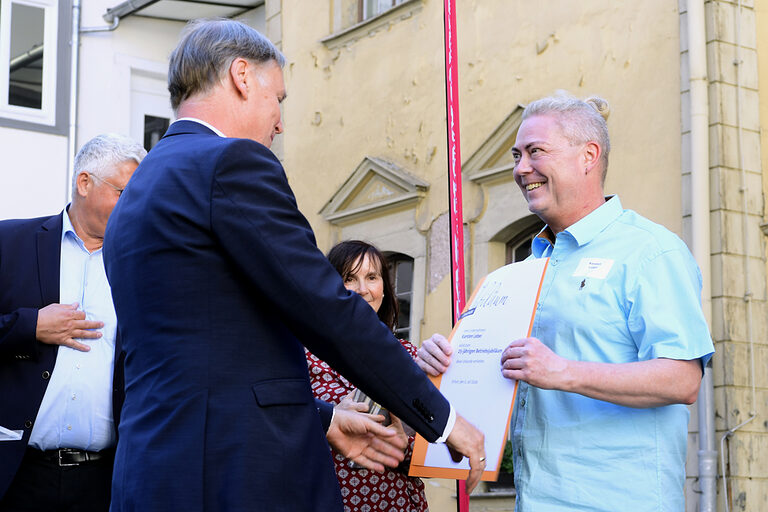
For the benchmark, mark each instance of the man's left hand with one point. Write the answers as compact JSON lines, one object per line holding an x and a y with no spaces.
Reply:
{"x":529,"y":360}
{"x":361,"y":438}
{"x":651,"y":383}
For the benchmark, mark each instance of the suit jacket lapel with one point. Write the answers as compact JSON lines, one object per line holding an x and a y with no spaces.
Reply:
{"x":49,"y":259}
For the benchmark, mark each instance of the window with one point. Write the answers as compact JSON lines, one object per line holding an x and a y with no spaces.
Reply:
{"x":29,"y":48}
{"x":519,"y":247}
{"x":154,"y":129}
{"x":367,"y":9}
{"x":401,"y":274}
{"x":352,"y":20}
{"x":151,"y":112}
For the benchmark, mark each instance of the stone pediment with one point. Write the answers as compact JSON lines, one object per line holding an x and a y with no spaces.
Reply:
{"x":376,"y":185}
{"x":493,"y":159}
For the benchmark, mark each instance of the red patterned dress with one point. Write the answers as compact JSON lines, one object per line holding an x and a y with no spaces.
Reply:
{"x":363,"y":490}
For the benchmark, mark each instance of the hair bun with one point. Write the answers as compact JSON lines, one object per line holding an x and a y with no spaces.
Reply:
{"x":600,"y":105}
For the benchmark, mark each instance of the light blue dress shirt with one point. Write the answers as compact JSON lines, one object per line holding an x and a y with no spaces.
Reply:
{"x":76,"y":411}
{"x":618,"y":289}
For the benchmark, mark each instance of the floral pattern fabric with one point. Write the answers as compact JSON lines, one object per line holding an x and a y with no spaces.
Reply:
{"x":363,"y":490}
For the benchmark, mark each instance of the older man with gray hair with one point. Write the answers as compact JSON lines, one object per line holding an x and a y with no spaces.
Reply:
{"x":60,"y":365}
{"x":218,"y":412}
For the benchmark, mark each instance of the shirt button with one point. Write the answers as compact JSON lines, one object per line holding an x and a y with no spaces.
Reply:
{"x":69,"y":427}
{"x":522,"y":402}
{"x":46,"y":374}
{"x":74,"y":396}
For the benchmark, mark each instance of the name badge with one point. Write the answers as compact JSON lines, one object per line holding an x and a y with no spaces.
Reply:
{"x":596,"y":268}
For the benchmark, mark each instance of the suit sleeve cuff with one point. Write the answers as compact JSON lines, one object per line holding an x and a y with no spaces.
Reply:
{"x":448,"y":426}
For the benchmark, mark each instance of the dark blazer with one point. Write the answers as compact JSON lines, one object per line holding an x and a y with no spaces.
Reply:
{"x":218,"y":282}
{"x":30,"y":257}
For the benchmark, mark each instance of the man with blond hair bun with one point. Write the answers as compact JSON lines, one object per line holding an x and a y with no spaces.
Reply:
{"x":618,"y":342}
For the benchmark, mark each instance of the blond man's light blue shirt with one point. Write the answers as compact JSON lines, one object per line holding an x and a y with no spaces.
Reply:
{"x":618,"y":289}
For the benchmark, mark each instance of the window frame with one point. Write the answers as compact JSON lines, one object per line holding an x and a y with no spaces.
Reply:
{"x":394,"y":259}
{"x":525,"y":235}
{"x":343,"y":34}
{"x":362,"y":9}
{"x":53,"y":115}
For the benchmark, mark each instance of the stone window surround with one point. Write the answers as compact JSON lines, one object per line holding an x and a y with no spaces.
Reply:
{"x":346,"y":36}
{"x":53,"y":118}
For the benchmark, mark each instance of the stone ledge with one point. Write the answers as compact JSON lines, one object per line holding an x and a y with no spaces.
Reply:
{"x":369,"y":27}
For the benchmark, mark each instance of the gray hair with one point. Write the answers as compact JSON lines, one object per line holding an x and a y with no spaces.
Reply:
{"x":580,"y":121}
{"x":103,"y":153}
{"x":206,"y":50}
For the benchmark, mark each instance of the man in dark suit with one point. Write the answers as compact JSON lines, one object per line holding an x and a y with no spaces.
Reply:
{"x":217,"y":282}
{"x":60,"y":370}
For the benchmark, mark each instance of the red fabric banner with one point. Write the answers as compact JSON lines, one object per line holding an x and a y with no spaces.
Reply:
{"x":454,"y":161}
{"x":454,"y":185}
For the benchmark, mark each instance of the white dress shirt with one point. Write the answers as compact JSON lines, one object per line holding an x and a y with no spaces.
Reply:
{"x":76,"y":411}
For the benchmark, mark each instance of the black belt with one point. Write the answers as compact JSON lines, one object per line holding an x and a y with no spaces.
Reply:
{"x":70,"y":456}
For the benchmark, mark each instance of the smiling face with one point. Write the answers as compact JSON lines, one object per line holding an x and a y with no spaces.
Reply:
{"x":365,"y":280}
{"x":559,"y":180}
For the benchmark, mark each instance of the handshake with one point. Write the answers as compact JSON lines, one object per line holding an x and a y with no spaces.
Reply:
{"x":364,"y":439}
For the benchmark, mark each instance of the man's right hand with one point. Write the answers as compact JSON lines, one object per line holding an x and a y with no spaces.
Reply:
{"x":465,"y":439}
{"x":434,"y":355}
{"x":60,"y":324}
{"x":361,"y":438}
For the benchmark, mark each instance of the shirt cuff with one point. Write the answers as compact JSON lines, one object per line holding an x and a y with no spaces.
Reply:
{"x":448,"y":426}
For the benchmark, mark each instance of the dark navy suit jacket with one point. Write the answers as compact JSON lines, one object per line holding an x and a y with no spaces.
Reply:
{"x":30,"y":257}
{"x":218,"y":282}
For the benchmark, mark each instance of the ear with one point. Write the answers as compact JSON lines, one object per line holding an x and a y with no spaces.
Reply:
{"x":591,"y":155}
{"x":82,"y":181}
{"x":238,"y":73}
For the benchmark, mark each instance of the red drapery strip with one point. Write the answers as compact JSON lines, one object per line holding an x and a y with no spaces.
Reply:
{"x":454,"y":185}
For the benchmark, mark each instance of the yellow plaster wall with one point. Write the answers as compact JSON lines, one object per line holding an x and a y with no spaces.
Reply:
{"x":761,"y":22}
{"x":383,"y":96}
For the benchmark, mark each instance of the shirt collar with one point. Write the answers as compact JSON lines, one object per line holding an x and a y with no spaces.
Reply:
{"x":585,"y":229}
{"x":68,"y":228}
{"x":596,"y":221}
{"x":66,"y":224}
{"x":207,"y":125}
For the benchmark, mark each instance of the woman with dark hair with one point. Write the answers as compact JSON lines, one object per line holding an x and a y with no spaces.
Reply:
{"x":364,"y":270}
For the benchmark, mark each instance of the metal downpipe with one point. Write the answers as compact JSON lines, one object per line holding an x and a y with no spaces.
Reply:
{"x":700,"y":228}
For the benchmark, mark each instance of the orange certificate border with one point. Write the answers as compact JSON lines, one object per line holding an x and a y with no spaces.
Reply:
{"x":418,"y":467}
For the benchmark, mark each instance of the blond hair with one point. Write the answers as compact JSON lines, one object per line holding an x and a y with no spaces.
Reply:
{"x":581,"y":121}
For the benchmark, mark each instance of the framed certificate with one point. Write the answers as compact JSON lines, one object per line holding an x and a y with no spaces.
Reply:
{"x":500,"y":310}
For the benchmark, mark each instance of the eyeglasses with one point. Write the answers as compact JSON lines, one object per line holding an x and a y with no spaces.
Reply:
{"x":117,"y":189}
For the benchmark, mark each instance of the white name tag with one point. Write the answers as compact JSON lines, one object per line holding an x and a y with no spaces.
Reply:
{"x":596,"y":268}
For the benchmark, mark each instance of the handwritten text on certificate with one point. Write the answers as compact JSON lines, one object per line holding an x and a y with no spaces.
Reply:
{"x":500,"y":310}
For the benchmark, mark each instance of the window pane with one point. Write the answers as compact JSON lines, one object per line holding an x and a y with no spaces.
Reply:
{"x":25,"y":87}
{"x":154,"y":129}
{"x":523,"y":250}
{"x":519,"y":247}
{"x":401,"y":273}
{"x":375,"y":7}
{"x":404,"y":318}
{"x":404,"y":277}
